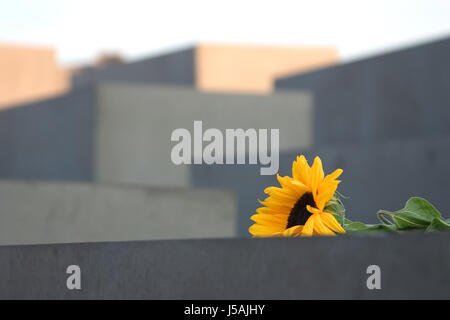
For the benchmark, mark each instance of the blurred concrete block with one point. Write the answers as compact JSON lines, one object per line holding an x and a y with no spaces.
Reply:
{"x":214,"y":67}
{"x":411,"y":267}
{"x":50,"y":139}
{"x":135,"y":123}
{"x":38,"y":212}
{"x":403,"y":94}
{"x":116,"y":133}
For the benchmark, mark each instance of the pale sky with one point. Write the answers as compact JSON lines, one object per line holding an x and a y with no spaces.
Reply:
{"x":80,"y":29}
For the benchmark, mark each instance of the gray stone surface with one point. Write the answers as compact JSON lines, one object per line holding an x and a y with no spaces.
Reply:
{"x":38,"y":212}
{"x":403,"y":94}
{"x":175,"y":68}
{"x":135,"y":123}
{"x":412,"y":267}
{"x":379,"y":176}
{"x":50,"y":139}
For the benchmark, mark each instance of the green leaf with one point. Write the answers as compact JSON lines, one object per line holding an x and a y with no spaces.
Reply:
{"x":418,"y":213}
{"x":437,"y":224}
{"x":359,"y":228}
{"x":347,"y":221}
{"x":355,"y":226}
{"x":336,"y":208}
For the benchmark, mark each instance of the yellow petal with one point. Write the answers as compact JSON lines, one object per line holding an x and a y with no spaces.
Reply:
{"x":320,"y":228}
{"x":312,"y":209}
{"x":319,"y":168}
{"x":294,"y":185}
{"x":325,"y":194}
{"x":327,"y":186}
{"x":293,"y":231}
{"x":299,"y":185}
{"x":281,"y":193}
{"x":258,"y":230}
{"x":267,"y":210}
{"x":295,"y":172}
{"x":334,"y":175}
{"x":304,"y":171}
{"x":282,"y":205}
{"x":308,"y":228}
{"x":270,"y":219}
{"x":316,"y":175}
{"x":331,"y":222}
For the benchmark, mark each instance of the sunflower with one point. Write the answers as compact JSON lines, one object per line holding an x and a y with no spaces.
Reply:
{"x":297,"y":208}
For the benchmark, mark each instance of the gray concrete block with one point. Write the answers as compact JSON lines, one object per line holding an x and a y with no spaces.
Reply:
{"x":412,"y":267}
{"x":38,"y":212}
{"x":245,"y":180}
{"x":50,"y":139}
{"x":403,"y":94}
{"x":135,"y":123}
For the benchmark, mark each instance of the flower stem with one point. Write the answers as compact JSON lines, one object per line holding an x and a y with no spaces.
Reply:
{"x":381,"y":215}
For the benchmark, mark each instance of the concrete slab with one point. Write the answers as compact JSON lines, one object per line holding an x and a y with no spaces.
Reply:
{"x":402,"y":94}
{"x":411,"y":267}
{"x":135,"y":123}
{"x":50,"y":139}
{"x":39,"y":212}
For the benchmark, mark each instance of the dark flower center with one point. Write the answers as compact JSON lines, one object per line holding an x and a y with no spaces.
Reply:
{"x":299,"y":214}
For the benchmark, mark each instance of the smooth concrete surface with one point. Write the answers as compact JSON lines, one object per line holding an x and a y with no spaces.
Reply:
{"x":135,"y":124}
{"x":50,"y":139}
{"x":379,"y":176}
{"x":403,"y":94}
{"x":411,"y":267}
{"x":38,"y":212}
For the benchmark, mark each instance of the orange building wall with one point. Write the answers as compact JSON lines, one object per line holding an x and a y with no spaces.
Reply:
{"x":253,"y":69}
{"x":29,"y":73}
